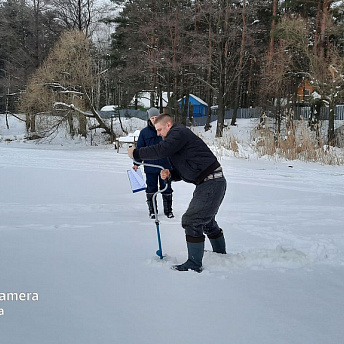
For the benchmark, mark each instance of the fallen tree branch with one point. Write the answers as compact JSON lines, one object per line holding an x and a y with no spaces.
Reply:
{"x":73,"y":107}
{"x":93,"y":114}
{"x":20,"y":119}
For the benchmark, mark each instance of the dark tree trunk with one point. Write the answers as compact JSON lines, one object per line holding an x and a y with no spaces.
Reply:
{"x":331,"y":117}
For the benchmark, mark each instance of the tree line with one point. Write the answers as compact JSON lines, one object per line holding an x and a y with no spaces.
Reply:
{"x":231,"y":53}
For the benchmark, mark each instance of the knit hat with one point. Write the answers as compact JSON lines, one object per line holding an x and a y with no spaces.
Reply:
{"x":153,"y":112}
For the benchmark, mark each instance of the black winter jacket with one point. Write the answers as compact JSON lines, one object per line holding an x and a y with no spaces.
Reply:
{"x":149,"y":137}
{"x":190,"y":158}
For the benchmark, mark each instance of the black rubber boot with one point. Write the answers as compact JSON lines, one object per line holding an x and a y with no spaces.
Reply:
{"x":150,"y":205}
{"x":167,"y":202}
{"x":195,"y":255}
{"x":218,"y":243}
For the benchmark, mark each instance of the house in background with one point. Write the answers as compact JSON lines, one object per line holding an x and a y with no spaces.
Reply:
{"x":196,"y":106}
{"x":304,"y":91}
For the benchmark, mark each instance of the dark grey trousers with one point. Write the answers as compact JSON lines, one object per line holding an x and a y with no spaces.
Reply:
{"x":199,"y":218}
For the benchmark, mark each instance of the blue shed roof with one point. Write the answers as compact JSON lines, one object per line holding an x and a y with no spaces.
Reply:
{"x":194,"y":100}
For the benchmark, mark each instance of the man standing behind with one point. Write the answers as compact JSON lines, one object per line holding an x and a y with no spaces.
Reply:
{"x":192,"y":161}
{"x":148,"y":137}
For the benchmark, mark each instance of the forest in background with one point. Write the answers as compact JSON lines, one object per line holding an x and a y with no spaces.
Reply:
{"x":73,"y":57}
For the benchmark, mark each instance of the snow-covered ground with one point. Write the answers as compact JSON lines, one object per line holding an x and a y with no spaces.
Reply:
{"x":73,"y":234}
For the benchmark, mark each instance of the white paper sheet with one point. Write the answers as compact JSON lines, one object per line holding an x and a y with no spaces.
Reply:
{"x":136,"y":180}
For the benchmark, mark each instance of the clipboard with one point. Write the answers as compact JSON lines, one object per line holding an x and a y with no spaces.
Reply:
{"x":136,"y":180}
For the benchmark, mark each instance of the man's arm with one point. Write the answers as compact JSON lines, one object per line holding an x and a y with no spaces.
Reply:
{"x":173,"y":142}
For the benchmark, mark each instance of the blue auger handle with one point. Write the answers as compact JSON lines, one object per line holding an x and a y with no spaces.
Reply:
{"x":159,"y":251}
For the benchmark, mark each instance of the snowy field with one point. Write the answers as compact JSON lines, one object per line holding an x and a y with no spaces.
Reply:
{"x":74,"y":235}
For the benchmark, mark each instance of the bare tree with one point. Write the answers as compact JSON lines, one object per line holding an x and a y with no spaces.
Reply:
{"x":219,"y":52}
{"x":328,"y":81}
{"x":63,"y":84}
{"x":76,"y":14}
{"x":27,"y":32}
{"x":323,"y":20}
{"x":240,"y":62}
{"x":273,"y":24}
{"x":294,"y":61}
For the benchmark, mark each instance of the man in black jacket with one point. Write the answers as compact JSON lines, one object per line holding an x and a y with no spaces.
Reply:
{"x":191,"y":161}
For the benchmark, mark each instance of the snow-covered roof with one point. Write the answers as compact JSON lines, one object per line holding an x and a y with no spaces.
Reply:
{"x":109,"y":108}
{"x":316,"y":95}
{"x":198,"y":99}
